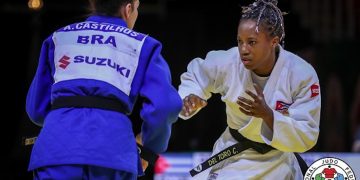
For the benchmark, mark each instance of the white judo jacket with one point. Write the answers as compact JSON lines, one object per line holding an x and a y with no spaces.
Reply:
{"x":292,"y":91}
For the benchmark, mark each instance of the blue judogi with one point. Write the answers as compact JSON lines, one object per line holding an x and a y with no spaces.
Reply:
{"x":100,"y":57}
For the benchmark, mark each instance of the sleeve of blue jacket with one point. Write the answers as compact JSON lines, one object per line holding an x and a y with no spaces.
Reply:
{"x":161,"y":106}
{"x":38,"y":99}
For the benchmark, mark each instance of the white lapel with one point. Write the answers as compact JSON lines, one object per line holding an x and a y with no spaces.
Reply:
{"x":275,"y":76}
{"x":253,"y":127}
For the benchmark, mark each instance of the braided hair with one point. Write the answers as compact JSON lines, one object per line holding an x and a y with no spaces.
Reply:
{"x":268,"y":15}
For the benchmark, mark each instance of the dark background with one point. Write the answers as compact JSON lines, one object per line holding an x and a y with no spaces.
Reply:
{"x":324,"y":32}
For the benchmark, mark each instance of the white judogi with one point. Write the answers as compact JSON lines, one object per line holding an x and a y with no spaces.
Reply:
{"x":292,"y":91}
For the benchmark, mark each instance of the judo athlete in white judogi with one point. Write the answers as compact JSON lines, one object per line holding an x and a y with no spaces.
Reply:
{"x":272,"y":97}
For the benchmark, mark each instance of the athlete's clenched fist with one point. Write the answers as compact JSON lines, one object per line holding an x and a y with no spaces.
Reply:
{"x":191,"y":104}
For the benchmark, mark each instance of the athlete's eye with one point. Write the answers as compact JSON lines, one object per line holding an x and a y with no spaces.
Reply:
{"x":252,"y":43}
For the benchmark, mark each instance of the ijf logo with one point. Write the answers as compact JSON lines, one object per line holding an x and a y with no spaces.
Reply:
{"x":329,"y":169}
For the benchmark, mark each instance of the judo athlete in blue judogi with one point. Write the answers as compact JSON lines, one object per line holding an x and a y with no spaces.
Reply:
{"x":89,"y":76}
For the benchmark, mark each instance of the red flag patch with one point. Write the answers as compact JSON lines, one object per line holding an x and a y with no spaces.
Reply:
{"x":315,"y":90}
{"x":282,"y":107}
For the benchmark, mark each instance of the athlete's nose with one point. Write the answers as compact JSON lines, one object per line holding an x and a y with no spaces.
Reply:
{"x":243,"y":50}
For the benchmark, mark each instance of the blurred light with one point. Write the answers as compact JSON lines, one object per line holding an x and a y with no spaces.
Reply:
{"x":35,"y":4}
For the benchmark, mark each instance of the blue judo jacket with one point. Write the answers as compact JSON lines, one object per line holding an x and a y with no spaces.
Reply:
{"x":100,"y":57}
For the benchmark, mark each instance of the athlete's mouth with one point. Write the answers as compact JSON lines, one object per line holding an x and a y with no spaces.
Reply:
{"x":245,"y":60}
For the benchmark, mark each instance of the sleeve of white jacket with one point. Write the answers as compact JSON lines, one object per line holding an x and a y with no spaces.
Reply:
{"x":299,"y":131}
{"x":196,"y":80}
{"x":201,"y":78}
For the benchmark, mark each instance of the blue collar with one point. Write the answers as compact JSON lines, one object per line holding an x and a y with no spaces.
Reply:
{"x":107,"y":19}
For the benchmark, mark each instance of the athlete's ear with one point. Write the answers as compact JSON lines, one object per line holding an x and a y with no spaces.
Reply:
{"x":128,"y":10}
{"x":275,"y":41}
{"x":125,"y":11}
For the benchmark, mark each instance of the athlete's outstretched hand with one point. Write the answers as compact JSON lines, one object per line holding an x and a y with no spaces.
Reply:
{"x":257,"y":107}
{"x":191,"y":103}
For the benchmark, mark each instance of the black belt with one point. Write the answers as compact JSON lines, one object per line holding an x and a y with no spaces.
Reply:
{"x":90,"y":102}
{"x":102,"y":103}
{"x":147,"y":154}
{"x":243,"y":144}
{"x":259,"y":147}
